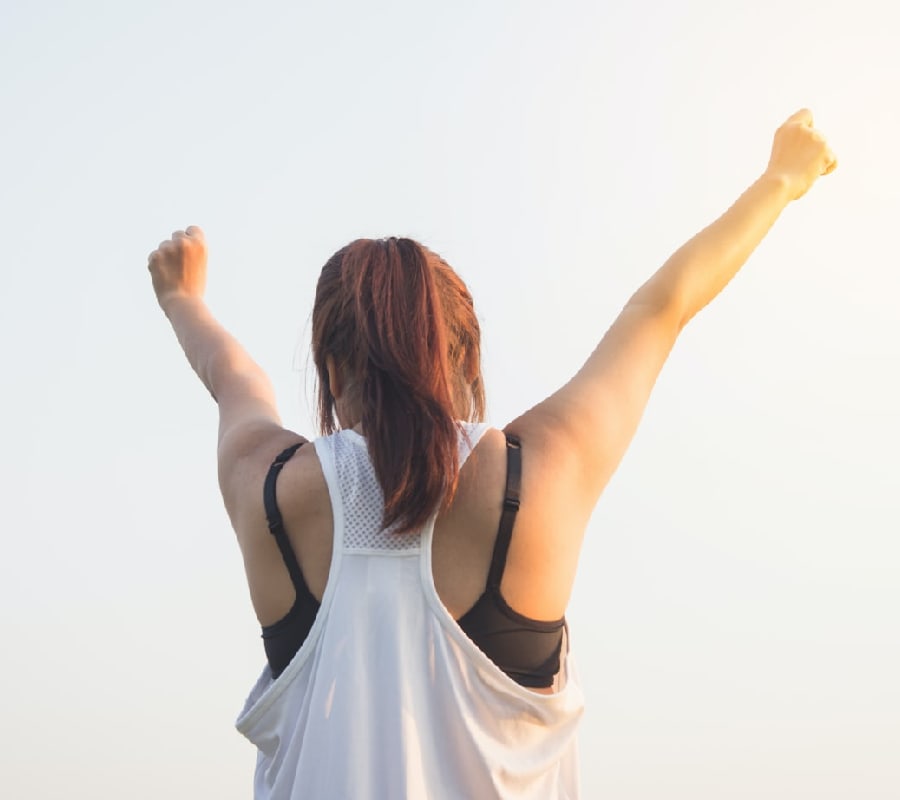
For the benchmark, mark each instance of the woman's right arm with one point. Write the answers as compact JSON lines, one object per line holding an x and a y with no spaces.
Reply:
{"x":582,"y":431}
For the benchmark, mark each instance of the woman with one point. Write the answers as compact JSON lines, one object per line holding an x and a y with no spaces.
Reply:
{"x":411,"y":568}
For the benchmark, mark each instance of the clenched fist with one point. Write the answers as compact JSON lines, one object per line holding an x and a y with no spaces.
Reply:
{"x":178,"y":265}
{"x":800,"y":154}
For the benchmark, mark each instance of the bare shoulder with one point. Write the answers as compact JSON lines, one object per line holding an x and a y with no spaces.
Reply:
{"x":464,"y":534}
{"x":554,"y":511}
{"x":302,"y":492}
{"x":244,"y":459}
{"x":546,"y":536}
{"x":301,"y":496}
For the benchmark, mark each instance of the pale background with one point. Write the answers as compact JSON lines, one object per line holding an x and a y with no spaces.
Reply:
{"x":735,"y":616}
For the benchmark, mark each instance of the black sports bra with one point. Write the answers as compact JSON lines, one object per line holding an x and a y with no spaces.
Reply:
{"x":527,"y":650}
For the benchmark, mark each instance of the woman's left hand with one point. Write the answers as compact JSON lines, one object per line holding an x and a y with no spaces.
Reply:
{"x":178,"y":265}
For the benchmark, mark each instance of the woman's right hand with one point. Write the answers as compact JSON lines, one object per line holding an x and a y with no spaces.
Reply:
{"x":800,"y":154}
{"x":178,"y":265}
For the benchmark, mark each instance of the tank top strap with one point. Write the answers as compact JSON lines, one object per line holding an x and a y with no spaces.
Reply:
{"x":470,"y":435}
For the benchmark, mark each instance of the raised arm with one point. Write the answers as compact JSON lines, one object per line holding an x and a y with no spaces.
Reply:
{"x":248,"y":417}
{"x":584,"y":428}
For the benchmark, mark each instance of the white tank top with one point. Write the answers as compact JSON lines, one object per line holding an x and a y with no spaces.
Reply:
{"x":387,"y":698}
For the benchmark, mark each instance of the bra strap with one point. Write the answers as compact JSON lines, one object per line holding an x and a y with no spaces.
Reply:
{"x":276,"y":523}
{"x":510,"y":509}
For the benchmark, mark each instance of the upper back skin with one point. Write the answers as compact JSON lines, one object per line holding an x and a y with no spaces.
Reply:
{"x":542,"y":557}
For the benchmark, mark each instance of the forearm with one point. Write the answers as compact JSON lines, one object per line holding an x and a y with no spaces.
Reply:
{"x":215,"y":355}
{"x":701,"y":268}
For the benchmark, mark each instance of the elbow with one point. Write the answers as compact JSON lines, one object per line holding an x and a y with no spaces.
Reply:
{"x":227,"y":371}
{"x":667,"y":301}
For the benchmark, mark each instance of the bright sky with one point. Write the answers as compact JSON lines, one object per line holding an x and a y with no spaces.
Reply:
{"x":735,"y":617}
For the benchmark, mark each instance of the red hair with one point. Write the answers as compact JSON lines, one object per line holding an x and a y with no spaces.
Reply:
{"x":400,"y":325}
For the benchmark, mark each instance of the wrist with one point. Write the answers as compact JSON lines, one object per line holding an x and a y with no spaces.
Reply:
{"x":175,"y":298}
{"x":779,"y":184}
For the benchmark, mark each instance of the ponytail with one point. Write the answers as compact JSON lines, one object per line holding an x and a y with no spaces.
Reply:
{"x":400,"y":322}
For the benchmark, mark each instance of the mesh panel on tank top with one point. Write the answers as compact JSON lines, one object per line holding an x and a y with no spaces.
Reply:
{"x":363,"y":500}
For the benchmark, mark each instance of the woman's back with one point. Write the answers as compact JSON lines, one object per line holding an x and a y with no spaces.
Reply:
{"x":388,"y":697}
{"x":537,"y":570}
